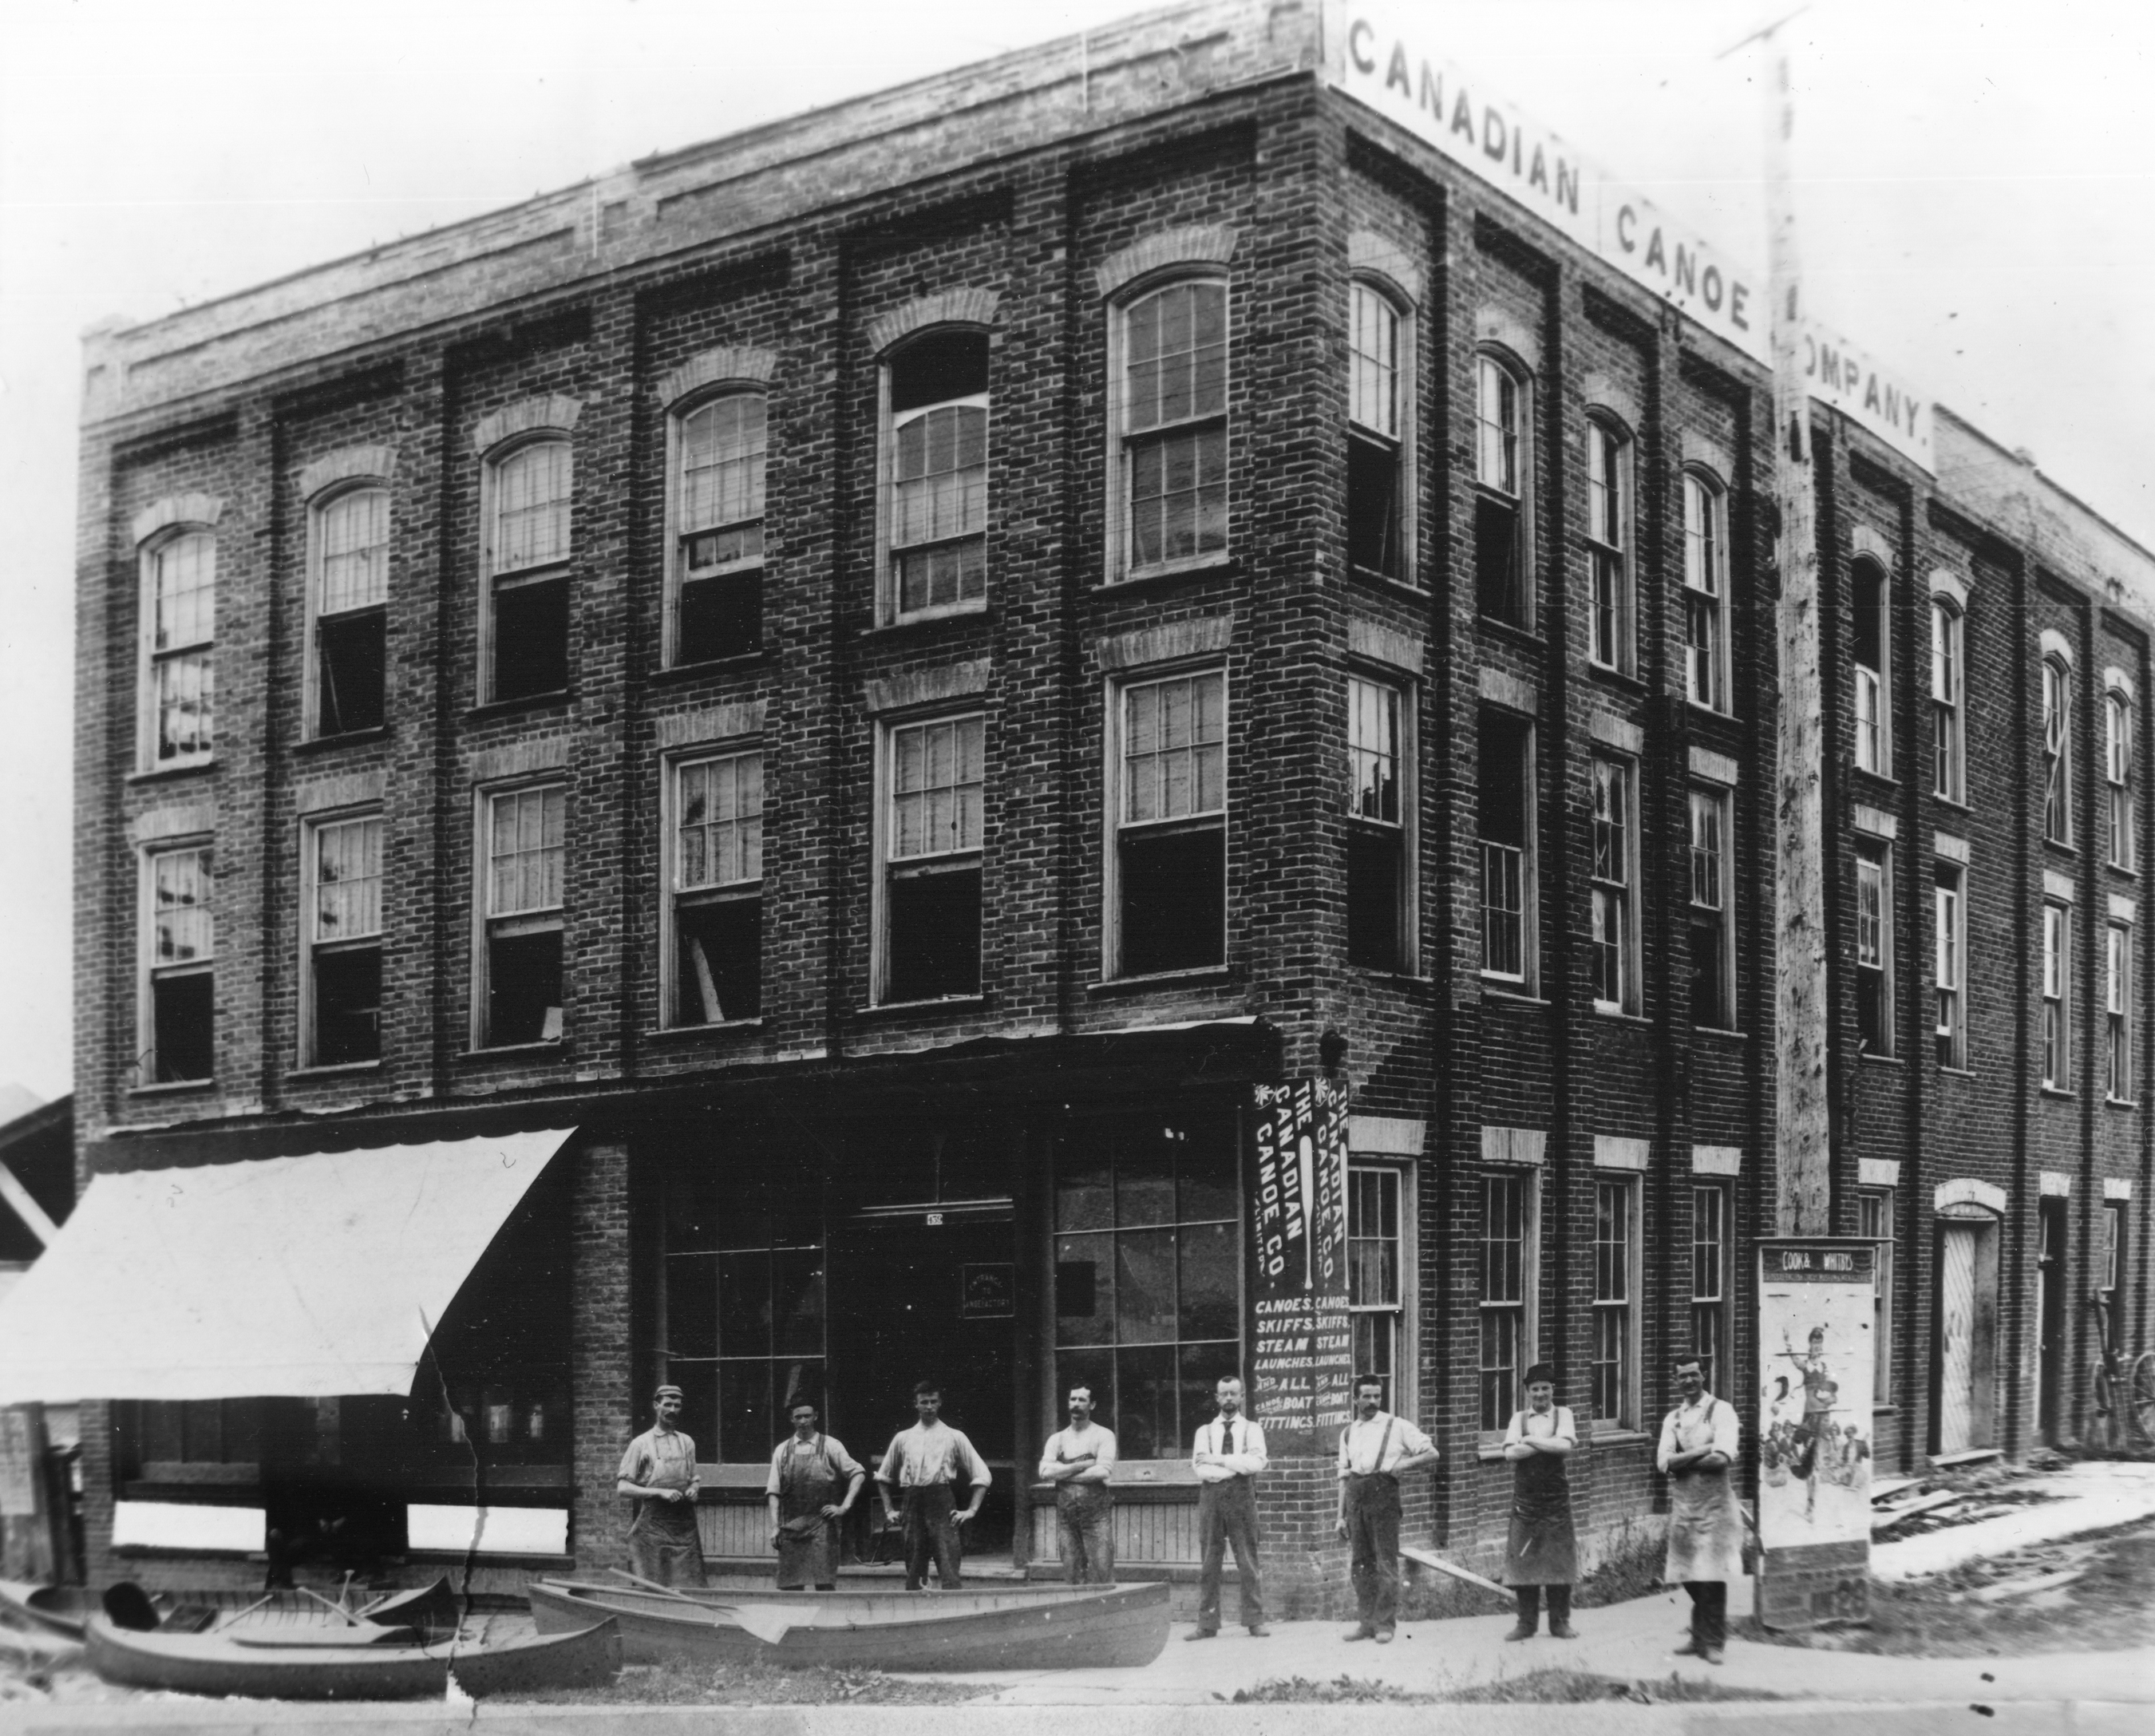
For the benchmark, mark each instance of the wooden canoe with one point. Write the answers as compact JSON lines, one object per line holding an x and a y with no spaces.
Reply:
{"x":220,"y":1663}
{"x":61,"y":1609}
{"x":1029,"y":1627}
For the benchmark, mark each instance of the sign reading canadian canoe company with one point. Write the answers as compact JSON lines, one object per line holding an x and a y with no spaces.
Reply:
{"x":1394,"y":64}
{"x":1817,"y":1355}
{"x":1302,"y":1368}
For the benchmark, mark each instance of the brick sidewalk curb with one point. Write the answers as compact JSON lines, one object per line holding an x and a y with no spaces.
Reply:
{"x":2025,"y":1718}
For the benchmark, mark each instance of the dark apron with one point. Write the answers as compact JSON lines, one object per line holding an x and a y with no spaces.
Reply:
{"x":807,"y":1542}
{"x":1540,"y":1550}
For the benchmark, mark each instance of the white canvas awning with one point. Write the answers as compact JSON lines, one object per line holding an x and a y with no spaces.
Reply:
{"x":295,"y":1277}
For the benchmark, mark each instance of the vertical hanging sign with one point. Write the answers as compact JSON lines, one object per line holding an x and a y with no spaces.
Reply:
{"x":1817,"y":1357}
{"x":1302,"y":1366}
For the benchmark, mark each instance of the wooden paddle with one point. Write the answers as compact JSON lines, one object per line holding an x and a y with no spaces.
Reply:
{"x":768,"y":1625}
{"x":1429,"y":1558}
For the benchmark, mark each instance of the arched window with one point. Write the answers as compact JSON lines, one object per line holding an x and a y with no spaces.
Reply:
{"x":937,"y":445}
{"x":1706,"y":592}
{"x":179,"y":575}
{"x":720,"y":446}
{"x":1612,"y":637}
{"x":1379,"y":421}
{"x":1948,"y":674}
{"x":2118,"y":774}
{"x":1503,"y":577}
{"x":2057,"y":750}
{"x":527,"y":597}
{"x":1869,"y":595}
{"x":1169,"y":407}
{"x":350,"y":553}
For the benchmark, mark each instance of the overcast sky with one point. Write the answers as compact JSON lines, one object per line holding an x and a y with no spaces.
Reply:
{"x":1974,"y":197}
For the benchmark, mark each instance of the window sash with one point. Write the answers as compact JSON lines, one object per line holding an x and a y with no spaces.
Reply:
{"x":1496,"y":412}
{"x":939,"y":473}
{"x":1373,"y":393}
{"x":1874,"y":1221}
{"x":354,"y":539}
{"x":1870,"y":913}
{"x":526,"y":849}
{"x":1174,"y":356}
{"x":1608,"y":529}
{"x":1870,"y":720}
{"x":1373,"y":751}
{"x":1702,"y":541}
{"x":186,"y":698}
{"x":531,"y":489}
{"x":1613,"y":1298}
{"x":183,"y":930}
{"x":718,"y":825}
{"x":1507,"y":1291}
{"x":1503,"y":910}
{"x":937,"y":780}
{"x":183,"y":590}
{"x":347,"y":901}
{"x":1174,"y":748}
{"x":2118,"y":1011}
{"x":2057,"y":753}
{"x":724,"y":451}
{"x":1708,"y":857}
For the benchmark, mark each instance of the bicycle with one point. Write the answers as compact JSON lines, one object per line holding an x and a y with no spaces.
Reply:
{"x":2123,"y":1393}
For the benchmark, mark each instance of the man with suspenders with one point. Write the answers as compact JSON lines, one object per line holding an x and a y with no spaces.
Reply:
{"x":1376,"y":1450}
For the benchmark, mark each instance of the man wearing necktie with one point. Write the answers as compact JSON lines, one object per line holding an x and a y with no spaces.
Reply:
{"x":1228,"y":1456}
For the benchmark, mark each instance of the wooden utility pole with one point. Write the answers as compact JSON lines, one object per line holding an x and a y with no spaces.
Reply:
{"x":1803,"y":1126}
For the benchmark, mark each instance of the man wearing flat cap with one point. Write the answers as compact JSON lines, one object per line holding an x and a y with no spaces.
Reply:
{"x":658,"y":1474}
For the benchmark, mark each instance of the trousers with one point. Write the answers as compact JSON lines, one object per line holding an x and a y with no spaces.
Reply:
{"x":1228,"y":1513}
{"x":1530,"y":1606}
{"x":1709,"y":1611}
{"x":930,"y":1530}
{"x":1085,"y":1520}
{"x":1372,"y":1506}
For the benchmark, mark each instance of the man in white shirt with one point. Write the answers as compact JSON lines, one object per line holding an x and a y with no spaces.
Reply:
{"x":1077,"y":1460}
{"x":1699,"y":1444}
{"x":1376,"y":1450}
{"x":1228,"y":1456}
{"x":924,"y":1463}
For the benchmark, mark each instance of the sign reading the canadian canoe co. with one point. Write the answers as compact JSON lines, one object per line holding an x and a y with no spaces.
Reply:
{"x":1302,"y":1366}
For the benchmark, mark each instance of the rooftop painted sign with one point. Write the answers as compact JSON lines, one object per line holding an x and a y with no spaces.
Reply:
{"x":1394,"y":67}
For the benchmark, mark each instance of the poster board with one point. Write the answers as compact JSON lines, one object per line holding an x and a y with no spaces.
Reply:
{"x":1817,"y":1355}
{"x":1302,"y":1364}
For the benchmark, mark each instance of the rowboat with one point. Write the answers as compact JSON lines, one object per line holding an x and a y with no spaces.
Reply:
{"x":61,"y":1609}
{"x":1015,"y":1627}
{"x":352,"y":1667}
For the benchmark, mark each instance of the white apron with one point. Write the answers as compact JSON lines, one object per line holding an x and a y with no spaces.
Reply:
{"x":1706,"y":1527}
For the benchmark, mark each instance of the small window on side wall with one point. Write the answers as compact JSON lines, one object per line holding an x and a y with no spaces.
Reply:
{"x":1503,"y":571}
{"x":716,"y":889}
{"x":179,"y":586}
{"x":934,"y":778}
{"x":524,"y":848}
{"x":1378,"y":419}
{"x":1169,"y":903}
{"x":351,"y":599}
{"x":527,"y":595}
{"x":178,"y":1023}
{"x":1379,"y":930}
{"x":720,"y":447}
{"x":1169,"y":410}
{"x":1870,"y":598}
{"x":343,"y":915}
{"x":937,"y":457}
{"x":1706,"y":592}
{"x":1874,"y":947}
{"x":1611,"y":637}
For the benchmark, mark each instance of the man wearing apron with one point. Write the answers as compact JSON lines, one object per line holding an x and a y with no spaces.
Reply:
{"x":1541,"y":1551}
{"x":1376,"y":1450}
{"x":1079,"y":1461}
{"x":806,"y":1510}
{"x":658,"y":1473}
{"x":1697,"y":1452}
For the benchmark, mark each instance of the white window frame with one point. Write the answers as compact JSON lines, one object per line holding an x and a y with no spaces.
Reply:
{"x":2118,"y":1011}
{"x":1875,"y":1207}
{"x":1873,"y":937}
{"x":2117,"y":774}
{"x":1717,"y":1305}
{"x":1721,"y":803}
{"x":1623,"y":1308}
{"x":155,"y":658}
{"x":494,"y":579}
{"x":887,"y":863}
{"x":1619,"y":775}
{"x":532,"y":920}
{"x":1948,"y":699}
{"x":1873,"y":688}
{"x":1526,"y":981}
{"x":1525,"y":1308}
{"x":1949,"y":963}
{"x":2057,"y":678}
{"x":1123,"y":441}
{"x":1705,"y":522}
{"x":2057,"y":1032}
{"x":673,"y":895}
{"x":149,"y":972}
{"x":1406,"y":797}
{"x":1219,"y":818}
{"x":1398,"y":439}
{"x":1404,"y":1398}
{"x":319,"y":511}
{"x":2112,"y":1256}
{"x":1611,"y":538}
{"x":678,"y":573}
{"x":312,"y":944}
{"x":1491,"y":367}
{"x":888,"y":424}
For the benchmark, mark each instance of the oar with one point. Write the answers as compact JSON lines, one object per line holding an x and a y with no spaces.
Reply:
{"x":1429,"y":1558}
{"x":350,"y":1619}
{"x":768,"y":1625}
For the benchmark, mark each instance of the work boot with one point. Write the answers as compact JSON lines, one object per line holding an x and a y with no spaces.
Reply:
{"x":1559,"y":1607}
{"x":1359,"y":1631}
{"x":1383,"y":1636}
{"x":1529,"y":1599}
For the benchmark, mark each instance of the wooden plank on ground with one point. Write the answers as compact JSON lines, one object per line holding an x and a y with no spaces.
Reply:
{"x":1431,"y":1559}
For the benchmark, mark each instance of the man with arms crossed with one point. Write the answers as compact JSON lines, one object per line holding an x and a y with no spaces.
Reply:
{"x":922,"y":1464}
{"x":1077,"y":1460}
{"x":1376,"y":1450}
{"x":658,"y":1473}
{"x":1227,"y":1457}
{"x":1706,"y":1530}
